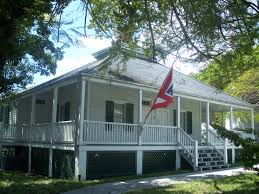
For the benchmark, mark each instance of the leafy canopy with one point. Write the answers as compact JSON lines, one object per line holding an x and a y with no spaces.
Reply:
{"x":163,"y":27}
{"x":26,"y":46}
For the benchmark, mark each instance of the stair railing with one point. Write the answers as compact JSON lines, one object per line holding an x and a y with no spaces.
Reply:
{"x":219,"y":144}
{"x":189,"y":145}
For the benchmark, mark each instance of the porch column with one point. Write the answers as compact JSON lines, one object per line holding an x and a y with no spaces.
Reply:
{"x":82,"y":163}
{"x":82,"y":111}
{"x":225,"y":151}
{"x":178,"y":112}
{"x":178,"y":160}
{"x":140,"y":119}
{"x":54,"y":112}
{"x":231,"y":119}
{"x":29,"y":158}
{"x":222,"y":119}
{"x":139,"y":162}
{"x":207,"y":121}
{"x":33,"y":103}
{"x":82,"y":156}
{"x":50,"y":162}
{"x":252,"y":119}
{"x":233,"y":156}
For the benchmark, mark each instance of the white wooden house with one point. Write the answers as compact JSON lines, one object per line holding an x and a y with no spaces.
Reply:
{"x":94,"y":113}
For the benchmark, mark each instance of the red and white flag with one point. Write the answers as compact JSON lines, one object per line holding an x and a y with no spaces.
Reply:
{"x":165,"y":95}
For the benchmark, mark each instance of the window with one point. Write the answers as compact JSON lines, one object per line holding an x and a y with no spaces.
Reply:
{"x":40,"y":101}
{"x":146,"y":102}
{"x":118,"y":112}
{"x":63,"y":112}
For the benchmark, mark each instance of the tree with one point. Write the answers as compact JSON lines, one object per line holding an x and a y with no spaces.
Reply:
{"x":228,"y":68}
{"x":207,"y":28}
{"x":250,"y":151}
{"x":26,"y":46}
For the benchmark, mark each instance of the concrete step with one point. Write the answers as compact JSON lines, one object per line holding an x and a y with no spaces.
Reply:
{"x":214,"y":167}
{"x":211,"y":163}
{"x":207,"y":155}
{"x":205,"y":159}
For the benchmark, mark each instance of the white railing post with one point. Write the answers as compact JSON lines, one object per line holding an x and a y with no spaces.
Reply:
{"x":178,"y":135}
{"x":196,"y":154}
{"x":225,"y":151}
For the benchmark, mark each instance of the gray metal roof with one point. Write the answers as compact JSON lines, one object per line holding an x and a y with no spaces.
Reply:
{"x":140,"y":71}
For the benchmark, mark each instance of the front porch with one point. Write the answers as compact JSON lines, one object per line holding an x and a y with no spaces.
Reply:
{"x":80,"y":117}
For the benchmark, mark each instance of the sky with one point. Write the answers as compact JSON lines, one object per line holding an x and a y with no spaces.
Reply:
{"x":77,"y":56}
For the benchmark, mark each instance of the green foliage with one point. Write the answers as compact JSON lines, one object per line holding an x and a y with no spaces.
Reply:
{"x":26,"y":46}
{"x":246,"y":86}
{"x":250,"y":151}
{"x":207,"y":28}
{"x":229,"y":67}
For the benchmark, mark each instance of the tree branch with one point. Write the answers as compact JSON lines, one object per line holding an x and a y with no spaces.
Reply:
{"x":151,"y":32}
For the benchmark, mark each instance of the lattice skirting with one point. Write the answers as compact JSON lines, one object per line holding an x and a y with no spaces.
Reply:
{"x":63,"y":164}
{"x":107,"y":163}
{"x":40,"y":160}
{"x":158,"y":161}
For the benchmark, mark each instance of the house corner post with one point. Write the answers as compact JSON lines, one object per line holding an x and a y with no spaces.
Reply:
{"x":33,"y":104}
{"x":233,"y":156}
{"x":231,"y":118}
{"x":207,"y":121}
{"x":29,"y":158}
{"x":82,"y":155}
{"x":54,"y":115}
{"x":82,"y":163}
{"x":139,"y":162}
{"x":252,"y":119}
{"x":140,"y":119}
{"x":178,"y":112}
{"x":50,"y":162}
{"x":196,"y":154}
{"x":80,"y":88}
{"x":225,"y":151}
{"x":178,"y":160}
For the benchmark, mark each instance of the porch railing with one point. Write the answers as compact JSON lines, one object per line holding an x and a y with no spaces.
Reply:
{"x":153,"y":134}
{"x":46,"y":132}
{"x":7,"y":131}
{"x":96,"y":132}
{"x":189,"y":145}
{"x":218,"y":144}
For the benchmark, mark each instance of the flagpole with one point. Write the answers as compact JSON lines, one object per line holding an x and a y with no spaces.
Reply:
{"x":142,"y":123}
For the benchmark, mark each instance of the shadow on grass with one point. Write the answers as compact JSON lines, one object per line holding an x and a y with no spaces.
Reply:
{"x":17,"y":182}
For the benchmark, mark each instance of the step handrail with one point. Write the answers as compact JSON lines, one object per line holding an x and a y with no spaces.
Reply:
{"x":219,"y":144}
{"x":189,"y":145}
{"x":216,"y":142}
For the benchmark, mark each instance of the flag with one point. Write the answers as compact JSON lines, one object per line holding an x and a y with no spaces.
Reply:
{"x":165,"y":94}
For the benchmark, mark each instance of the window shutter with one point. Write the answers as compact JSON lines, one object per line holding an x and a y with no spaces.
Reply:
{"x":67,"y":111}
{"x":109,"y":111}
{"x":174,"y":117}
{"x":189,"y":122}
{"x":129,"y":112}
{"x":57,"y":117}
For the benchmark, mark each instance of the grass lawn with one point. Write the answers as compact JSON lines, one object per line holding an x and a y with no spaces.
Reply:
{"x":246,"y":183}
{"x":22,"y":183}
